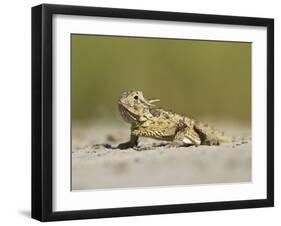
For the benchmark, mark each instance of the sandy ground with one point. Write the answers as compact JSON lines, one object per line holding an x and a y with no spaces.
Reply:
{"x":98,"y":164}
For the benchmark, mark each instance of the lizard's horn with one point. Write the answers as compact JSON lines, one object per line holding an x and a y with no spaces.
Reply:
{"x":153,"y":100}
{"x":150,"y":101}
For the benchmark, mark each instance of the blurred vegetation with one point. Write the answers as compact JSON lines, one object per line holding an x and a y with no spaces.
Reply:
{"x":192,"y":77}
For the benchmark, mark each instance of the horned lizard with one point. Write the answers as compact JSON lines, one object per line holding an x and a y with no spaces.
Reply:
{"x":148,"y":121}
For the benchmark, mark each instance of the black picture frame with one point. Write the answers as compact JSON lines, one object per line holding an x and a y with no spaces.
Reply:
{"x":42,"y":107}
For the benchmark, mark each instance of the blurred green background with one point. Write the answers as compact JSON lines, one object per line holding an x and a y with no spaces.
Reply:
{"x":192,"y":77}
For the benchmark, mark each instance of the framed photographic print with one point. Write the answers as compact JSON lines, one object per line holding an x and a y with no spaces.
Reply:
{"x":140,"y":112}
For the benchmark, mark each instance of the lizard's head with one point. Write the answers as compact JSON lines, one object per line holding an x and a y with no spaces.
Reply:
{"x":132,"y":105}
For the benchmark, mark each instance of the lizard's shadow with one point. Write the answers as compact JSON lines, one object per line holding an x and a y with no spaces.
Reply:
{"x":107,"y":146}
{"x":137,"y":148}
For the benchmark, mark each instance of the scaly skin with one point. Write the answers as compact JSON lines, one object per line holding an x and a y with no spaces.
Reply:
{"x":148,"y":121}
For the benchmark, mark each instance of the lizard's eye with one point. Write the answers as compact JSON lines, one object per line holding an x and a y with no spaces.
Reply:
{"x":136,"y":97}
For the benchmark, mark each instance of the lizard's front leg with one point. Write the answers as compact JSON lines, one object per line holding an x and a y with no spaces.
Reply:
{"x":133,"y":142}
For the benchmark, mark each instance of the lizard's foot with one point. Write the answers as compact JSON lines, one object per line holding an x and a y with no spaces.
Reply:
{"x":126,"y":145}
{"x":177,"y":145}
{"x":174,"y":145}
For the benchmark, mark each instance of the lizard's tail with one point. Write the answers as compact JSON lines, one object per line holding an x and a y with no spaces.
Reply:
{"x":241,"y":140}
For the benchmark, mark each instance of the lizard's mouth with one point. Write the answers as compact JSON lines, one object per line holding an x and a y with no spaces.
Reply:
{"x":126,"y":114}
